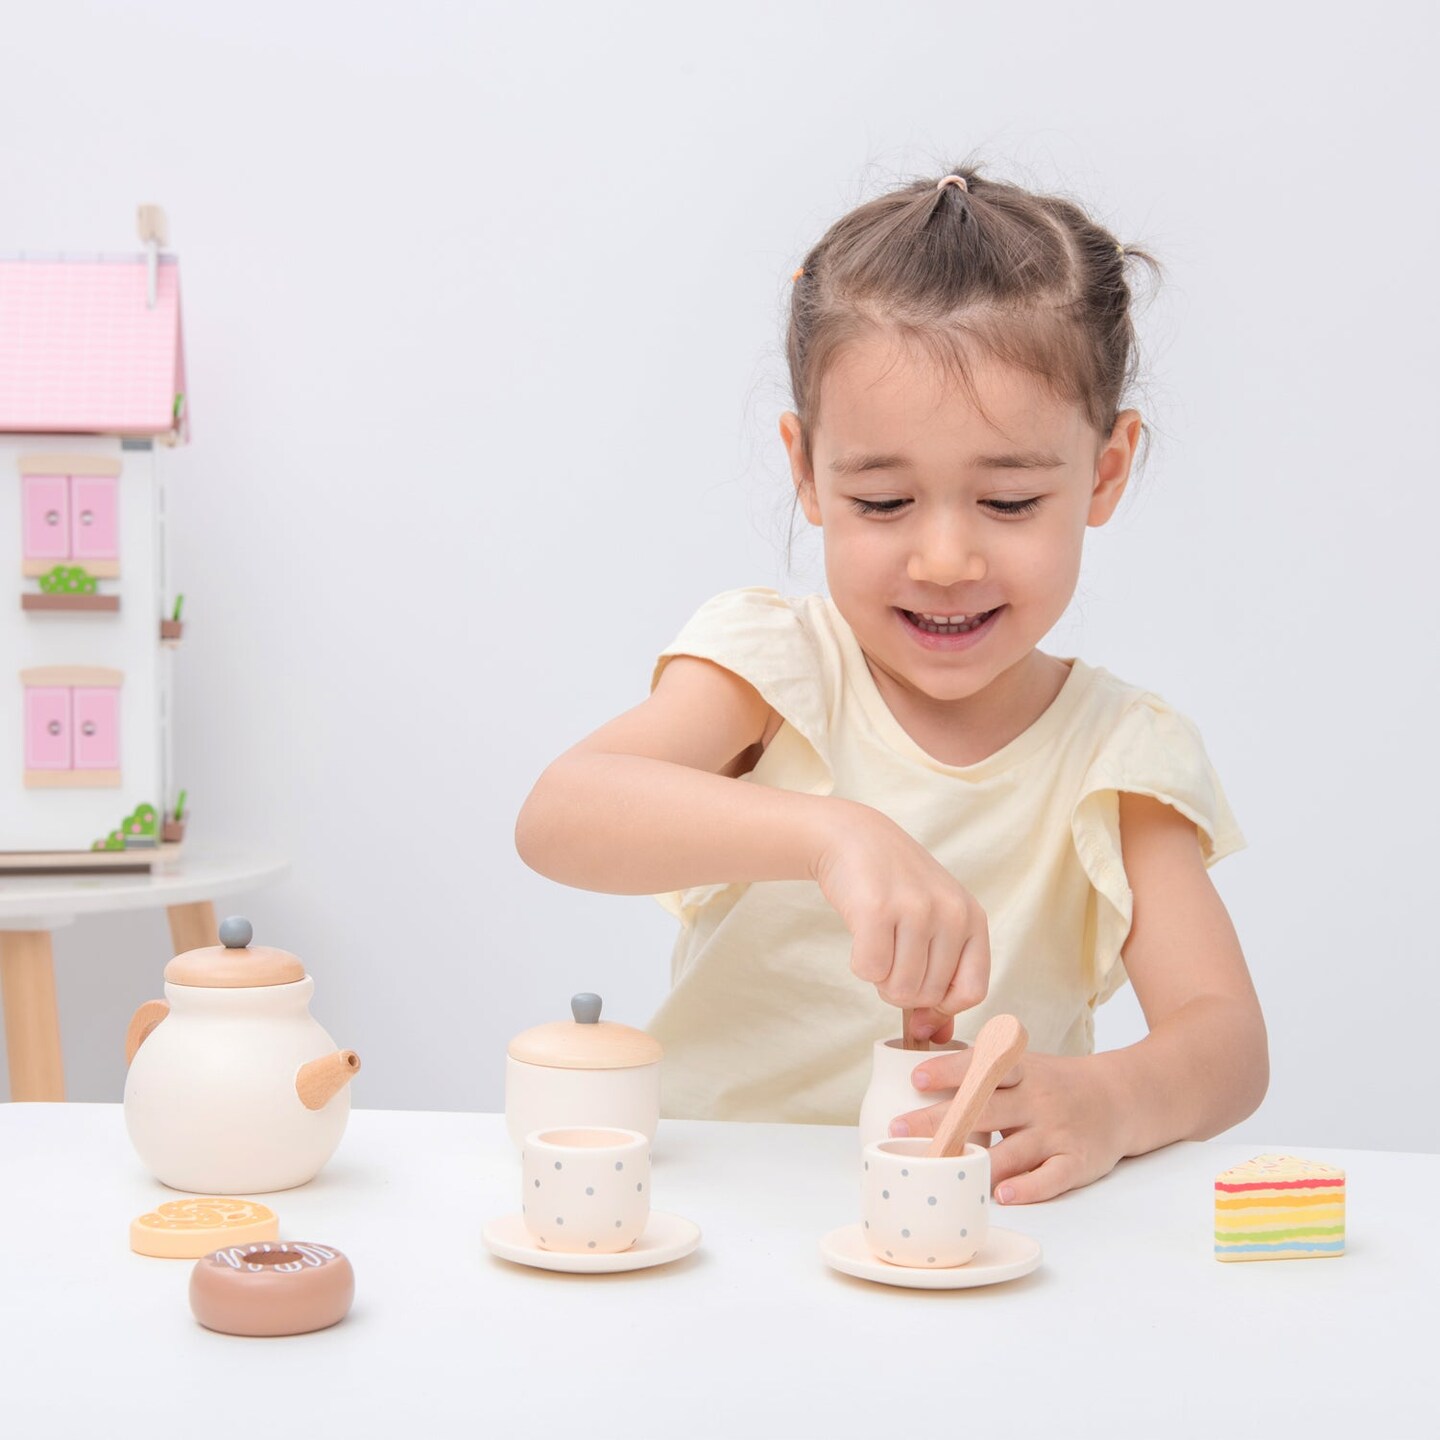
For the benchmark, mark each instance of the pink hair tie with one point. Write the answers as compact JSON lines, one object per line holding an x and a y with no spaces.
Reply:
{"x":954,"y":180}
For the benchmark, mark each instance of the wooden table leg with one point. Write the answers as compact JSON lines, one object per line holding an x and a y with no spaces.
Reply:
{"x":193,"y":926}
{"x":32,"y":1018}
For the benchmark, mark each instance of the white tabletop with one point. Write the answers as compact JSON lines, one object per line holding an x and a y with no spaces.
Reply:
{"x":43,"y":902}
{"x":1130,"y":1326}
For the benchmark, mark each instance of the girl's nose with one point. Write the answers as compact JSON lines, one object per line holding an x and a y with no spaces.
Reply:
{"x":946,"y":555}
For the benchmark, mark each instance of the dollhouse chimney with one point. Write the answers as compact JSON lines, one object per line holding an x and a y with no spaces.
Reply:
{"x":154,"y":235}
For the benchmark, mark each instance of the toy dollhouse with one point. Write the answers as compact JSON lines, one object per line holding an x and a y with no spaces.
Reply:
{"x":92,"y":395}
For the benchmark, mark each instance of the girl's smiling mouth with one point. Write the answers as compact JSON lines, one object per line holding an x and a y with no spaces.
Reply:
{"x":948,"y":632}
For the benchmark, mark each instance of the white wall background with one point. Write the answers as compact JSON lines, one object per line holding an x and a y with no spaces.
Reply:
{"x":482,"y":311}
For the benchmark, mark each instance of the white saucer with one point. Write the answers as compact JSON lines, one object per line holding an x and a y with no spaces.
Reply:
{"x":1005,"y":1255}
{"x":666,"y":1238}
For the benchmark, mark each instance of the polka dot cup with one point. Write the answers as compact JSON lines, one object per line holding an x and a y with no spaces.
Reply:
{"x":923,"y":1213}
{"x":586,"y":1191}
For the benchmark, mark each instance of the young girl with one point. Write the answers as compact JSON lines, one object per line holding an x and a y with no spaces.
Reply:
{"x":890,"y":797}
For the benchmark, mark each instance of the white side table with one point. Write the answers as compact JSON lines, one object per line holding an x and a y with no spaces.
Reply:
{"x":31,"y":906}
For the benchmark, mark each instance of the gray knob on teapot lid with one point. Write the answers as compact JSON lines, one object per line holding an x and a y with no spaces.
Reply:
{"x":236,"y":932}
{"x":585,"y":1007}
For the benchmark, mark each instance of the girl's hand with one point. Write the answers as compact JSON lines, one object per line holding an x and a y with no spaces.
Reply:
{"x":919,"y":936}
{"x":1057,"y":1114}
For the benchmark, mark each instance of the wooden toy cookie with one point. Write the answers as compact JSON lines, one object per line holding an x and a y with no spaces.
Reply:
{"x":282,"y":1289}
{"x":1277,"y":1207}
{"x":188,"y":1229}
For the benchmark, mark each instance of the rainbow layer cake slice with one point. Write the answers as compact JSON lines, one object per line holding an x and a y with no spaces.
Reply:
{"x":1276,"y":1207}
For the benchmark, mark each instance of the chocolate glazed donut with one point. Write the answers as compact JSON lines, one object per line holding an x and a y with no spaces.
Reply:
{"x":276,"y":1288}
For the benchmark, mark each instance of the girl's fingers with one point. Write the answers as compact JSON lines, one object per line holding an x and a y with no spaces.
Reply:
{"x":1014,"y":1155}
{"x":932,"y":1025}
{"x":942,"y":964}
{"x":943,"y":1072}
{"x":907,"y":975}
{"x":919,"y":1122}
{"x":1047,"y":1180}
{"x":872,"y":953}
{"x":971,"y":980}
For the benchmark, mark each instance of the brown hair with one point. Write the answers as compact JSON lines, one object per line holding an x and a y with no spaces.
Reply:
{"x":1028,"y":279}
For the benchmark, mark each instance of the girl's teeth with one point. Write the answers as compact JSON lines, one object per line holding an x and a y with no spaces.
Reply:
{"x":947,"y":624}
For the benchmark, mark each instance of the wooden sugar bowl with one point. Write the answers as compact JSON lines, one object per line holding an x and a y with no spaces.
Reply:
{"x":233,"y":1087}
{"x":582,"y":1072}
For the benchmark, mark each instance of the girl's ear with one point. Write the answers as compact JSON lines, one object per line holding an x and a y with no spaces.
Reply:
{"x":800,"y":471}
{"x":1112,"y":467}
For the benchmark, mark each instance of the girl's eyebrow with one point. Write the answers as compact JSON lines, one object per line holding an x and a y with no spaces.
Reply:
{"x":858,"y":464}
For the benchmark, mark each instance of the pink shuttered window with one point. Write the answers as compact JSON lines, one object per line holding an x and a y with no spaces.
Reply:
{"x":71,"y":517}
{"x":94,"y":533}
{"x":96,"y":725}
{"x":47,"y":728}
{"x":47,"y":517}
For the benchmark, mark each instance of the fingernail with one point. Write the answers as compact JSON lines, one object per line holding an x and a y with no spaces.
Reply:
{"x":921,"y":1079}
{"x":1007,"y":1194}
{"x":898,"y":1129}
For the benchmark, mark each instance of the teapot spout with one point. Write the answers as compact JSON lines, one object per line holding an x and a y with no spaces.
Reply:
{"x":318,"y":1082}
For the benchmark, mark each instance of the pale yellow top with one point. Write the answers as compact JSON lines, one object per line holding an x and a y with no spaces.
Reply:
{"x":764,"y":1020}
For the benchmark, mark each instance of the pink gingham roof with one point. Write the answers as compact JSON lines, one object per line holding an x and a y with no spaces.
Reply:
{"x":82,"y":352}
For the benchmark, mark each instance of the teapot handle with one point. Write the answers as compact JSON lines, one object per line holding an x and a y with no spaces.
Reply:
{"x":142,"y":1022}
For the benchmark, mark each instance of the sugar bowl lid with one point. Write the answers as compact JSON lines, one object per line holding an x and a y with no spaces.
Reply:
{"x":235,"y":963}
{"x":585,"y":1043}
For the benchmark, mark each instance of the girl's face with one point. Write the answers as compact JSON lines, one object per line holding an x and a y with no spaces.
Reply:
{"x":952,"y":542}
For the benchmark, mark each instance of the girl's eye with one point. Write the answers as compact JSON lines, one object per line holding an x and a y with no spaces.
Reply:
{"x":1014,"y":507}
{"x":878,"y":507}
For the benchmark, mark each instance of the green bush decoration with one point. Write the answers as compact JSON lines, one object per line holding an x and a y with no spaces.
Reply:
{"x":141,"y":821}
{"x":69,"y":580}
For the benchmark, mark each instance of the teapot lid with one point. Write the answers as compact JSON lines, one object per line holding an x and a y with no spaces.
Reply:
{"x":234,"y":963}
{"x":586,"y":1042}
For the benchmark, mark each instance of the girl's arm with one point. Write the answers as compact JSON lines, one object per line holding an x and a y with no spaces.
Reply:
{"x":1205,"y":1064}
{"x":1067,"y":1120}
{"x":650,"y":803}
{"x":643,"y":805}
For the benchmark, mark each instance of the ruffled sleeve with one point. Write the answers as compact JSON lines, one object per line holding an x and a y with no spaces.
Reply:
{"x":1152,"y":750}
{"x":762,"y":637}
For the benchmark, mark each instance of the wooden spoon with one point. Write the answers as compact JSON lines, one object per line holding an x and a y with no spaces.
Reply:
{"x":1000,"y":1043}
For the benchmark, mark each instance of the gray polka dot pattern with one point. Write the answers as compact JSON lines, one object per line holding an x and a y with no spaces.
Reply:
{"x":594,"y":1202}
{"x":914,"y":1212}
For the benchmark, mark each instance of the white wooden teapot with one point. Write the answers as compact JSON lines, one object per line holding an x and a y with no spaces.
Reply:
{"x":234,"y":1088}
